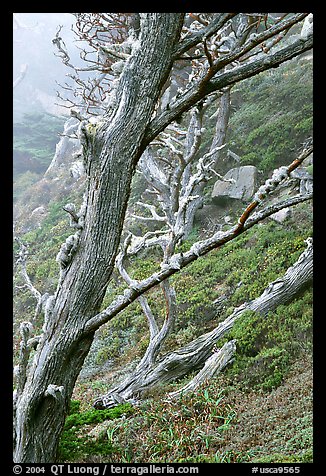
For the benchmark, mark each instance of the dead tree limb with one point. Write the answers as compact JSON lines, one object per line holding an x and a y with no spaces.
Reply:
{"x":197,"y":353}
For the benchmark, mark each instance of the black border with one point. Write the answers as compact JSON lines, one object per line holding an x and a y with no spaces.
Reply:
{"x":7,"y":218}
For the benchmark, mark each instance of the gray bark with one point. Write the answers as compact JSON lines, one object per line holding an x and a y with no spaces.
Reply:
{"x":110,"y":154}
{"x":219,"y":359}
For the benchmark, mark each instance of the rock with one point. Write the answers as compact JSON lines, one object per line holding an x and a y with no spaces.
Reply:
{"x":305,"y":177}
{"x":281,"y":215}
{"x":36,"y":218}
{"x":301,"y":173}
{"x":242,"y":188}
{"x":77,"y":169}
{"x":38,"y":211}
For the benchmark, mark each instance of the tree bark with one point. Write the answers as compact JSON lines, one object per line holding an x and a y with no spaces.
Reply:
{"x":213,"y":365}
{"x":110,"y":155}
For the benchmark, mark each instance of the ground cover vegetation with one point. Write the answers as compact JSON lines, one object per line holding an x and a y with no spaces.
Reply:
{"x":34,"y":141}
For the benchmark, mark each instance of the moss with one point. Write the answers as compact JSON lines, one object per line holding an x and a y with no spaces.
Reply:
{"x":95,"y":416}
{"x":74,"y":407}
{"x":72,"y":446}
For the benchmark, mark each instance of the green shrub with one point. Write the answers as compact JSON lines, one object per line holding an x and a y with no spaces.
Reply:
{"x":72,"y":446}
{"x":266,"y":345}
{"x":260,"y":131}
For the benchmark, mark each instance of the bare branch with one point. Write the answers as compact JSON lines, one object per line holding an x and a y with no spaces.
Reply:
{"x":20,"y":371}
{"x":189,"y":42}
{"x":200,"y":248}
{"x":152,"y":209}
{"x":224,"y":79}
{"x":23,"y":253}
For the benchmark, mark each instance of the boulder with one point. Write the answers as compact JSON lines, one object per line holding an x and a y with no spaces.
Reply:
{"x":39,"y":211}
{"x":282,"y":215}
{"x":36,"y":218}
{"x":77,"y":169}
{"x":242,"y":187}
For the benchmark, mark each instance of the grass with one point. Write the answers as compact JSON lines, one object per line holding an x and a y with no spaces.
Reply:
{"x":220,"y":423}
{"x":264,"y":413}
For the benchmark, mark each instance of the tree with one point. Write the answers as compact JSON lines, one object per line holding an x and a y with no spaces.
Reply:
{"x":112,"y":146}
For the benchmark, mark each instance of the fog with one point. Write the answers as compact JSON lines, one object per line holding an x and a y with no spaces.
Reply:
{"x":32,"y":46}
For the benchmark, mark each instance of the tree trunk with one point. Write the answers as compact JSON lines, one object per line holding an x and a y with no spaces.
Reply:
{"x":111,"y":154}
{"x":194,"y":355}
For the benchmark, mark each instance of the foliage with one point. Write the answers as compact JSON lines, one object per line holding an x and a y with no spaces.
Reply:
{"x":185,"y":430}
{"x":213,"y":425}
{"x":272,"y":115}
{"x":41,"y":265}
{"x":265,"y":252}
{"x":72,"y":445}
{"x":266,"y":344}
{"x":35,"y":138}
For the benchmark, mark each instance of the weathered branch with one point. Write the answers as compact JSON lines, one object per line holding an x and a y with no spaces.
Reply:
{"x":198,"y":353}
{"x":193,"y":39}
{"x":213,"y":365}
{"x":223,"y":80}
{"x":201,"y":248}
{"x":111,"y":149}
{"x":178,"y":262}
{"x":23,"y":253}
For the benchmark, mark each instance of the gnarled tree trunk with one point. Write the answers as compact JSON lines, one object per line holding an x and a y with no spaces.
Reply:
{"x":111,"y":149}
{"x":111,"y":153}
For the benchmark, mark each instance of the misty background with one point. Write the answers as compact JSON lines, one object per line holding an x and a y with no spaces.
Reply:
{"x":32,"y":46}
{"x":38,"y":72}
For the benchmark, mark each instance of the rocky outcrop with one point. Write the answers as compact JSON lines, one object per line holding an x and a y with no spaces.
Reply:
{"x":306,"y":179}
{"x":239,"y":183}
{"x":282,"y":215}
